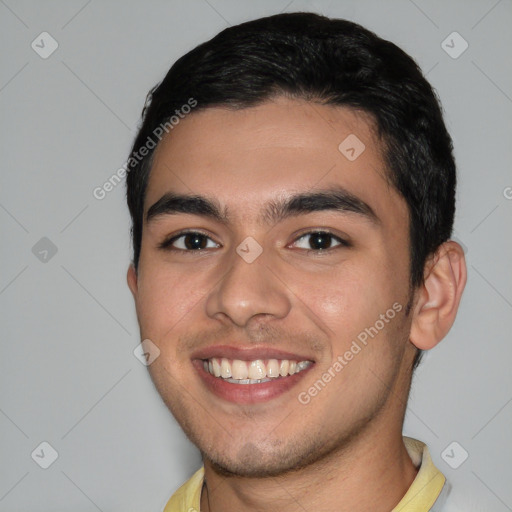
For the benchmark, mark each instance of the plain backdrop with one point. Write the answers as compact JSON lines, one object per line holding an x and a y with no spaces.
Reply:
{"x":69,"y":376}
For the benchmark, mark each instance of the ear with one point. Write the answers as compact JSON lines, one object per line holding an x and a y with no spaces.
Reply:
{"x":439,"y":296}
{"x":131,"y":278}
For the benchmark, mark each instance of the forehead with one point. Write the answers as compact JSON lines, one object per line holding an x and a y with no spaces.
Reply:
{"x":249,"y":156}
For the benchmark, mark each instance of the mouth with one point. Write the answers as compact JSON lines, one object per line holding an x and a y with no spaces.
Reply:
{"x":257,"y":371}
{"x":250,"y":376}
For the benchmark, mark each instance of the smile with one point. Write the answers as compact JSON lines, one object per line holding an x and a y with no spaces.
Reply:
{"x":257,"y":371}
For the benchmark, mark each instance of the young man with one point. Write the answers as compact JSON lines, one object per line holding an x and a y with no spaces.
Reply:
{"x":292,"y":192}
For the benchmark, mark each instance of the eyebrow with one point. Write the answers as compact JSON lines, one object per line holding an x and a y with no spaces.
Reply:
{"x":336,"y":199}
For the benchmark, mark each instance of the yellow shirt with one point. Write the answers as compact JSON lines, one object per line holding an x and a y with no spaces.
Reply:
{"x":420,"y":497}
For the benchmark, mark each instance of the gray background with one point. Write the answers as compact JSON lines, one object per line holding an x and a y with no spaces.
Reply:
{"x":68,"y":373}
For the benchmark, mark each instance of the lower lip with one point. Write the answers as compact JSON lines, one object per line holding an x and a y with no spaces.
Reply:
{"x":248,"y":393}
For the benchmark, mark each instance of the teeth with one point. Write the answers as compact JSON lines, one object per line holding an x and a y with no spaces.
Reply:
{"x":253,"y":372}
{"x":273,"y":368}
{"x":216,"y":368}
{"x":239,"y":369}
{"x":248,"y":381}
{"x":302,"y":366}
{"x":257,"y":370}
{"x":225,"y":369}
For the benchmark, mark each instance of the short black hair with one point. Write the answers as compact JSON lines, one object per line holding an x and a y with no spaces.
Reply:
{"x":333,"y":62}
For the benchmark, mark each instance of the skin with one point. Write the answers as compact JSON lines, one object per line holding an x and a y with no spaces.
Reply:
{"x":281,"y":454}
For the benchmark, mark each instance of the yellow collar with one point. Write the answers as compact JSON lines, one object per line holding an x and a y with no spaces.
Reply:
{"x":426,"y":487}
{"x":420,"y":496}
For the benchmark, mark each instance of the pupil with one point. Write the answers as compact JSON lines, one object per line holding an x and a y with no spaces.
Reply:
{"x":195,"y":241}
{"x":320,"y":241}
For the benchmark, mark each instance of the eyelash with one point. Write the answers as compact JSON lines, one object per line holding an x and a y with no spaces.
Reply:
{"x":167,"y":243}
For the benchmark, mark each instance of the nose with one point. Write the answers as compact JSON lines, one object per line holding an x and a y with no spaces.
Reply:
{"x":247,"y":290}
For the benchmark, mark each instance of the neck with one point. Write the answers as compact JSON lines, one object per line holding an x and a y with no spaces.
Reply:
{"x":372,"y":474}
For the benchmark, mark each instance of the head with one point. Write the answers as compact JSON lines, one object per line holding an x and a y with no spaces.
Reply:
{"x":319,"y":149}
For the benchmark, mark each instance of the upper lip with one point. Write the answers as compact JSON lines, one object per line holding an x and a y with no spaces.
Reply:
{"x":246,"y":353}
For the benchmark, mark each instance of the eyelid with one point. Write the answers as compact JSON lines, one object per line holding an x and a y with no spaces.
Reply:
{"x":344,"y":242}
{"x":166,"y":244}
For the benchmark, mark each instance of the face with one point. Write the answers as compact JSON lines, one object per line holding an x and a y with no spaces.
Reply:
{"x":273,"y":278}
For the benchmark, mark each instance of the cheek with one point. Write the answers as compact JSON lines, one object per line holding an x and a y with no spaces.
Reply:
{"x":345,"y":294}
{"x":165,"y":297}
{"x":351,"y":299}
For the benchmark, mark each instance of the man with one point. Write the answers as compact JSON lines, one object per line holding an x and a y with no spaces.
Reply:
{"x":291,"y":261}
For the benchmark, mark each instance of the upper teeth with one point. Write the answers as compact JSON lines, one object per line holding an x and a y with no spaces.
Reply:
{"x":253,"y":370}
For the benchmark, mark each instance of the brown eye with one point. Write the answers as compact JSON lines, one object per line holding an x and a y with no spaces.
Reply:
{"x":190,"y":241}
{"x":319,"y":241}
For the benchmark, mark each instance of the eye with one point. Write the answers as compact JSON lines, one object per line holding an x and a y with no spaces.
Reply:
{"x":190,"y":241}
{"x":319,"y":241}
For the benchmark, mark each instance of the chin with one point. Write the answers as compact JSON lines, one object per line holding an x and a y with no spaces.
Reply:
{"x":251,"y":461}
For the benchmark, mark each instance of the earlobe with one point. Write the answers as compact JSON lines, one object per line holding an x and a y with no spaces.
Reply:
{"x":439,"y":296}
{"x":131,"y":278}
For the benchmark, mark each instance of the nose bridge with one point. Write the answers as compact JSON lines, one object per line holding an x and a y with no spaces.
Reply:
{"x":247,"y":288}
